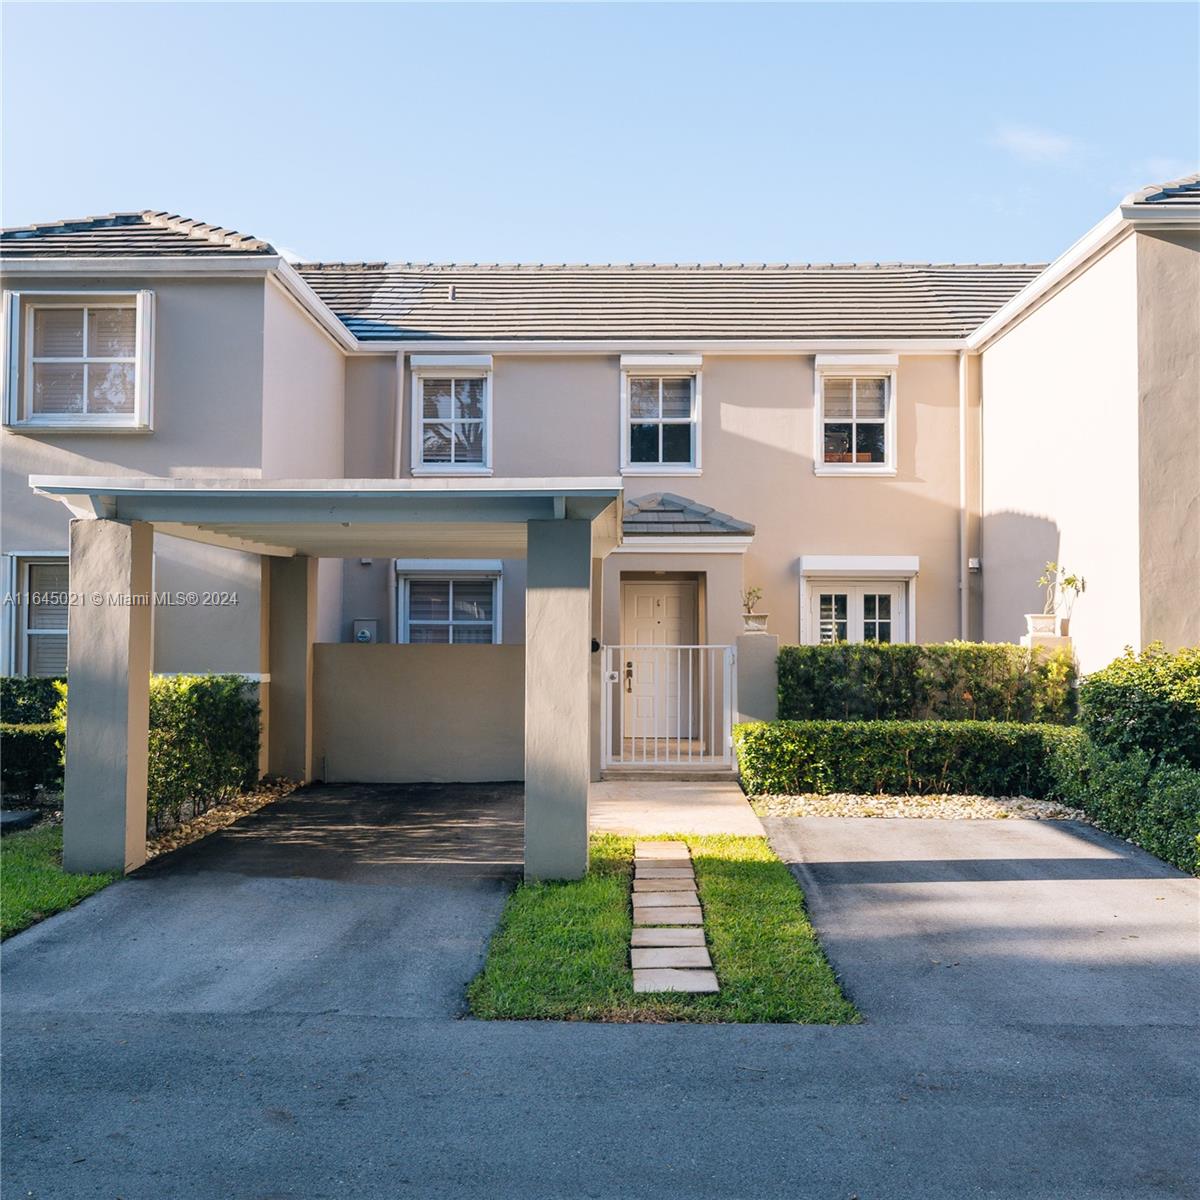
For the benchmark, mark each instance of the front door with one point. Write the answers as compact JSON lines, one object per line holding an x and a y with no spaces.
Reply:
{"x":657,"y":696}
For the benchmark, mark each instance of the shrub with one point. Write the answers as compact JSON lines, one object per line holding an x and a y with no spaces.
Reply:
{"x":955,"y":681}
{"x":989,"y":757}
{"x":27,"y":701}
{"x":1148,"y":702}
{"x":30,"y":756}
{"x":204,"y":735}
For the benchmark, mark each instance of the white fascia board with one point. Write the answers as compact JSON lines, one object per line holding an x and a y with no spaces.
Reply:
{"x":1187,"y":215}
{"x":166,"y":265}
{"x":625,"y":346}
{"x":873,"y":566}
{"x":661,"y":362}
{"x":299,"y":289}
{"x":1096,"y":241}
{"x":472,"y":362}
{"x":842,"y":362}
{"x":715,"y":543}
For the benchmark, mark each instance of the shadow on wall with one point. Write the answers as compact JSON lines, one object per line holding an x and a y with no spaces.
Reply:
{"x":1015,"y":548}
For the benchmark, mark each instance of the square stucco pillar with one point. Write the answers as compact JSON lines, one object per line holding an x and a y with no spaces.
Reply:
{"x":108,"y":670}
{"x":558,"y":632}
{"x":292,"y":621}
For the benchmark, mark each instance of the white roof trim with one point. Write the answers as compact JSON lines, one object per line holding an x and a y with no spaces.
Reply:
{"x":838,"y":362}
{"x":713,"y":543}
{"x":874,"y":566}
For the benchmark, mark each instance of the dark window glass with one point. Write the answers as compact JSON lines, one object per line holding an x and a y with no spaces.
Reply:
{"x":677,"y":443}
{"x":837,"y":443}
{"x":869,"y":443}
{"x":643,"y":443}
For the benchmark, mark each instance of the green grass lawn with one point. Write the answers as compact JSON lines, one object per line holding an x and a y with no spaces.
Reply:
{"x":33,"y":884}
{"x":562,"y":949}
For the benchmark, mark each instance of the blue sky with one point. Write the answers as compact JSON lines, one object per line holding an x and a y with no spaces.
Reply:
{"x":622,"y":132}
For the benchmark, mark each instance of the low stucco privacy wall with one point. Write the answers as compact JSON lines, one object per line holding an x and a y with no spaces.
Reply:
{"x":419,"y":714}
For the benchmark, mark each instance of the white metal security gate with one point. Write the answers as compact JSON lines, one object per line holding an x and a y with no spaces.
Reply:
{"x":668,"y":706}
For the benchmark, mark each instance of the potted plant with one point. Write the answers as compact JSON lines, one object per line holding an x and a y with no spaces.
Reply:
{"x":1062,"y":589}
{"x":753,"y":622}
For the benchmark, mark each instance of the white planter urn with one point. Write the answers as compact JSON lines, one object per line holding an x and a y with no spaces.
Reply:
{"x":1041,"y":623}
{"x":754,"y":622}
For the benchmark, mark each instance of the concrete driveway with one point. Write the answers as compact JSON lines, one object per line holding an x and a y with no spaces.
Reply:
{"x":277,"y":1013}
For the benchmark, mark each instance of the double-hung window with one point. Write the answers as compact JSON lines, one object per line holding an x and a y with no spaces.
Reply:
{"x":660,"y":415}
{"x":452,"y":420}
{"x":40,"y":612}
{"x":81,"y":360}
{"x":856,"y":423}
{"x":449,"y":603}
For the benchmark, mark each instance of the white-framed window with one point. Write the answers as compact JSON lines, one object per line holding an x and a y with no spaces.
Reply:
{"x":660,"y":415}
{"x":451,"y":602}
{"x":855,"y":408}
{"x":78,"y":360}
{"x":858,"y":598}
{"x":843,"y":611}
{"x":451,"y":415}
{"x":37,"y":607}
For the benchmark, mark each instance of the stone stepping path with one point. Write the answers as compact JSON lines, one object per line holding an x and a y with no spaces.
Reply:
{"x":667,"y":949}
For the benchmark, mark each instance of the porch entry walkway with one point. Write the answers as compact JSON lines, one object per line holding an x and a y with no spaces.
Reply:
{"x":645,"y":808}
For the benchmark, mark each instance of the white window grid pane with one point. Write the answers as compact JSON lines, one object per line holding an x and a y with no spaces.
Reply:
{"x":659,"y":420}
{"x":466,"y":436}
{"x":44,"y":622}
{"x":475,"y":596}
{"x":102,"y":362}
{"x":854,"y":420}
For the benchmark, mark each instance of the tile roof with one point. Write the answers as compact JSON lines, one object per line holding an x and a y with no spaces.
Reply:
{"x":122,"y":235}
{"x":379,"y":301}
{"x":1177,"y":191}
{"x":665,"y":513}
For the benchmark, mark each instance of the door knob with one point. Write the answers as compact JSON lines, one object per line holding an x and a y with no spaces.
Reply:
{"x":629,"y":676}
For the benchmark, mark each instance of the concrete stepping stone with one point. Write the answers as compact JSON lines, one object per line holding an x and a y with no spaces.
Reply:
{"x":664,"y":979}
{"x":662,"y":864}
{"x":687,"y":915}
{"x":663,"y":899}
{"x":644,"y":872}
{"x":663,"y":885}
{"x":661,"y":850}
{"x":670,"y":956}
{"x":678,"y":936}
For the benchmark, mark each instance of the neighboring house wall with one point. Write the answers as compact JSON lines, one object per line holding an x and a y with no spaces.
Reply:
{"x":1060,"y":438}
{"x":1168,"y":327}
{"x":419,"y":713}
{"x":303,"y":420}
{"x":208,"y":373}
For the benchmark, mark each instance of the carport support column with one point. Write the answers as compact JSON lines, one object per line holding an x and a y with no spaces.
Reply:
{"x":108,"y":669}
{"x":292,"y":619}
{"x":557,"y":694}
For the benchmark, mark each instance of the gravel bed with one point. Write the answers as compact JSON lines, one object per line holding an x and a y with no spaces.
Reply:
{"x":219,"y":817}
{"x":941,"y":808}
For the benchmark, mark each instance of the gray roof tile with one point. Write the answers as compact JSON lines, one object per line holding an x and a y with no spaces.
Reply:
{"x":1177,"y":191}
{"x":121,"y":235}
{"x":662,"y":513}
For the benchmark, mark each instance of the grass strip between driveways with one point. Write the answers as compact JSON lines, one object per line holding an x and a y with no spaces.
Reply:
{"x":562,"y":949}
{"x":33,"y":884}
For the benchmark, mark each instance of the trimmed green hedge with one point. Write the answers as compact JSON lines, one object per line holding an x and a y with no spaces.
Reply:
{"x":1146,"y":703}
{"x":27,"y":701}
{"x":30,"y":756}
{"x":954,"y":681}
{"x":897,"y":757}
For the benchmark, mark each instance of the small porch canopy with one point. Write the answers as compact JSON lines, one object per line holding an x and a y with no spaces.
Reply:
{"x":559,"y":525}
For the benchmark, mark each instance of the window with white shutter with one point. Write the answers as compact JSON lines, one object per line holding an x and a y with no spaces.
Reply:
{"x":449,"y":601}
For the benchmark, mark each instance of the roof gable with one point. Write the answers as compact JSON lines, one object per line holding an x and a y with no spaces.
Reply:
{"x":664,"y":513}
{"x":127,"y":235}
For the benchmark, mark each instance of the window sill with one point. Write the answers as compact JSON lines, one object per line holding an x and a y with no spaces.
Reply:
{"x":830,"y":469}
{"x":661,"y":469}
{"x":42,"y":427}
{"x":451,"y":469}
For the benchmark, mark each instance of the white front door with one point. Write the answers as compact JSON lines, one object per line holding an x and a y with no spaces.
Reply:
{"x":656,"y":692}
{"x":849,"y":611}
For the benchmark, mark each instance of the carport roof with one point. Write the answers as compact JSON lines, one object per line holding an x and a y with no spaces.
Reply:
{"x":346,"y":518}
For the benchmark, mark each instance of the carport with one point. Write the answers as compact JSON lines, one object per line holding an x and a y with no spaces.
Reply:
{"x":564,"y":528}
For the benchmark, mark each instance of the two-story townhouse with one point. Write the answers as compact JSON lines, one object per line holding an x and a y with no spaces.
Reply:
{"x":884,"y":450}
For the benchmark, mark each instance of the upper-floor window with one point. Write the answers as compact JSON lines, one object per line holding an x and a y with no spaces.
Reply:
{"x":660,"y":416}
{"x":856,"y":424}
{"x":452,"y":421}
{"x":79,"y":360}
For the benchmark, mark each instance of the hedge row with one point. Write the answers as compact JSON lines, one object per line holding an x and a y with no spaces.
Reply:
{"x":31,"y":756}
{"x":25,"y":700}
{"x":980,"y":757}
{"x":203,"y":746}
{"x":955,"y":681}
